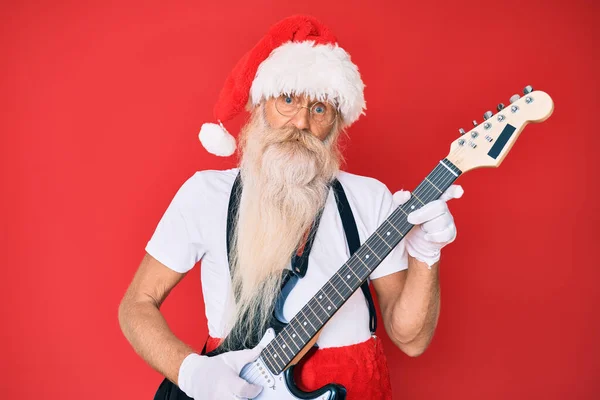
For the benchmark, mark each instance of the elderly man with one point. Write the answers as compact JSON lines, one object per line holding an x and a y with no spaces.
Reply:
{"x":276,"y":213}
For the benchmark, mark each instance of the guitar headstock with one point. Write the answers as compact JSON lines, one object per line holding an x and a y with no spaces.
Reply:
{"x":488,"y":143}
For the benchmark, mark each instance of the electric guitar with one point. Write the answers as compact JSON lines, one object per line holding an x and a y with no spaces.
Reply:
{"x":486,"y":145}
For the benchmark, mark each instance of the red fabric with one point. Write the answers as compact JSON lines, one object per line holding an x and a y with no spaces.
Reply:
{"x":361,"y":368}
{"x":234,"y":95}
{"x":212,"y":343}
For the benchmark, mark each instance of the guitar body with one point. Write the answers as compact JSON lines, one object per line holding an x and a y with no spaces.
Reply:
{"x":282,"y":386}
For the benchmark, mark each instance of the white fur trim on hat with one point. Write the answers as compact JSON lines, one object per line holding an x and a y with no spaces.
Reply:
{"x":217,"y":140}
{"x":322,"y":71}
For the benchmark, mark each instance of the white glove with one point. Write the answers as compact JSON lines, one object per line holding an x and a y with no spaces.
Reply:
{"x":434,"y":225}
{"x":218,"y":378}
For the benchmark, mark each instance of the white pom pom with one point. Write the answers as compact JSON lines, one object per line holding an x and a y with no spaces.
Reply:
{"x":216,"y":140}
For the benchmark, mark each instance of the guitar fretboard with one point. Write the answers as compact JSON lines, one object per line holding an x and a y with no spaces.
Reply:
{"x":334,"y":293}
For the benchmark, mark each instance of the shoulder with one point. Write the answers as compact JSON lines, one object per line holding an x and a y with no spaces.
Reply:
{"x":363,"y":187}
{"x":214,"y":179}
{"x":206,"y":186}
{"x":369,"y":198}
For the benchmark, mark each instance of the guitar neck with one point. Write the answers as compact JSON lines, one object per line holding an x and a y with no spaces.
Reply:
{"x":278,"y":354}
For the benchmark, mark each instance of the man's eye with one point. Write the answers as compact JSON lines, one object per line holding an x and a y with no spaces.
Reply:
{"x":289,"y":100}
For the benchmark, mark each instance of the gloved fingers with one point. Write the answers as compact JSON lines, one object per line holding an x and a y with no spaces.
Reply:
{"x":428,"y":212}
{"x":445,"y":236}
{"x":401,"y":197}
{"x":453,"y":192}
{"x":238,"y":359}
{"x":243,"y":389}
{"x":438,"y":223}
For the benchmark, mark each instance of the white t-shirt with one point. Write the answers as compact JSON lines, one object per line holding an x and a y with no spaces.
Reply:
{"x":193,"y":228}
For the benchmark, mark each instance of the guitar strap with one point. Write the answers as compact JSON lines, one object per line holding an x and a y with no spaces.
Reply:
{"x":353,"y":240}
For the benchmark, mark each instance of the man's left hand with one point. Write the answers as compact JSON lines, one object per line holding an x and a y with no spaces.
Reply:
{"x":434,"y":225}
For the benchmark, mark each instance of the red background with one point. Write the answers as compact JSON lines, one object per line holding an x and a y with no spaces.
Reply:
{"x":100,"y":109}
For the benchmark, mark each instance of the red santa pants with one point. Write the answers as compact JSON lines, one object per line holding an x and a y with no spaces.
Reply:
{"x":361,"y":368}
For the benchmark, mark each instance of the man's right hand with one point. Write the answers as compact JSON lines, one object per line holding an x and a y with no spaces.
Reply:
{"x":212,"y":378}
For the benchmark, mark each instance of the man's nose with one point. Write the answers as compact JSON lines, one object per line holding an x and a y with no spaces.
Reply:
{"x":302,"y":119}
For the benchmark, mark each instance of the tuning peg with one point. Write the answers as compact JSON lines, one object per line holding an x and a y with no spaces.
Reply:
{"x":500,"y":107}
{"x":514,"y":98}
{"x":474,"y":123}
{"x":461,"y":131}
{"x":528,"y":89}
{"x":487,"y":115}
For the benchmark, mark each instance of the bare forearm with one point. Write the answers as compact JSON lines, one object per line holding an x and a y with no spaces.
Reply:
{"x":416,"y":312}
{"x":146,"y":329}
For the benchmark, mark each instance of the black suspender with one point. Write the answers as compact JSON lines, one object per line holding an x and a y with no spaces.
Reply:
{"x":353,"y":244}
{"x":300,"y":264}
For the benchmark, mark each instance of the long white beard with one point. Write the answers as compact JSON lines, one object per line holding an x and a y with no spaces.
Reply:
{"x":285,"y":175}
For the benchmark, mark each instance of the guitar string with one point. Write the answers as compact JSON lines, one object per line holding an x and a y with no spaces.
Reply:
{"x":435,"y":179}
{"x":432,"y":187}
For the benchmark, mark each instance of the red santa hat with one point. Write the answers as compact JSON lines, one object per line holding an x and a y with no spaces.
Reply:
{"x":298,"y":55}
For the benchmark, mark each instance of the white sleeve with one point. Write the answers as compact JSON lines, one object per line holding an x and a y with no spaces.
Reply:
{"x":397,"y":260}
{"x":175,"y":242}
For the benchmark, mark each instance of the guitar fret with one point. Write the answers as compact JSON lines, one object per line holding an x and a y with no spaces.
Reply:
{"x":307,"y":320}
{"x":359,"y":259}
{"x":383,"y":240}
{"x":418,"y":198}
{"x":275,"y":359}
{"x":346,"y":283}
{"x":314,"y":312}
{"x":291,"y":339}
{"x":354,"y":273}
{"x":347,"y":276}
{"x":301,"y":326}
{"x":331,"y":303}
{"x":374,"y":244}
{"x":432,"y":184}
{"x":393,"y":227}
{"x":369,"y":247}
{"x":268,"y":361}
{"x":285,"y":348}
{"x":360,"y":268}
{"x":325,"y":293}
{"x":334,"y":290}
{"x":276,"y":352}
{"x":295,"y":334}
{"x":267,"y":356}
{"x":329,"y":311}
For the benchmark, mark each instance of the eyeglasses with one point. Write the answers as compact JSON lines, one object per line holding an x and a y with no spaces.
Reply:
{"x":322,"y":112}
